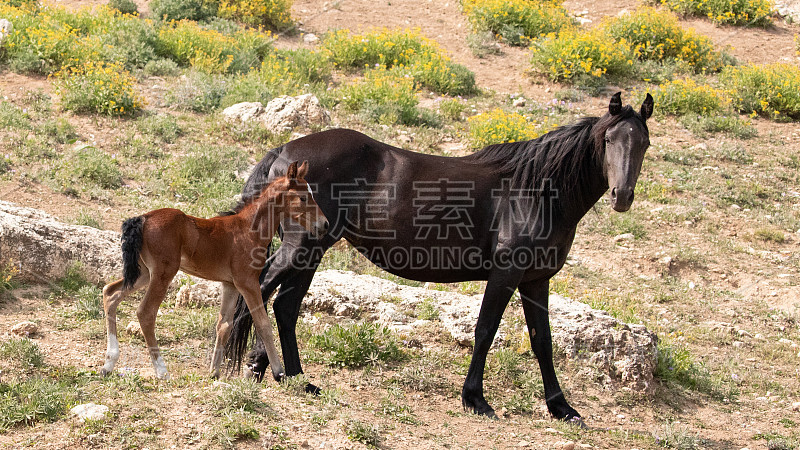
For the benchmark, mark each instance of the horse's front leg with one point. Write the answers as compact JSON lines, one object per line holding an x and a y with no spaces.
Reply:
{"x":499,"y":289}
{"x":535,"y":302}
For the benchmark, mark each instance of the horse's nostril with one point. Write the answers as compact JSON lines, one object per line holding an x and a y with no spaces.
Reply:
{"x":613,"y":193}
{"x":325,"y":225}
{"x":630,"y":197}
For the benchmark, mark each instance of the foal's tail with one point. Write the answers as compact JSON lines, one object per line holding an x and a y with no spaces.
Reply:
{"x":132,"y":238}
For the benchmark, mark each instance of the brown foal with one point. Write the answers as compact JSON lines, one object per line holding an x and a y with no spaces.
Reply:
{"x":230,"y":249}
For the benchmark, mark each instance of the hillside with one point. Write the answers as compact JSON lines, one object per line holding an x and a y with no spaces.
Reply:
{"x":708,"y":257}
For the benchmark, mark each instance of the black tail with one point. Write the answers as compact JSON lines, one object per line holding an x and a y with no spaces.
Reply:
{"x":132,"y":238}
{"x":242,"y":322}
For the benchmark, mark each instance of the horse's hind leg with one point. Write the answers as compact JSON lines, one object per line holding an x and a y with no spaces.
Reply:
{"x":224,"y":324}
{"x":113,"y":293}
{"x":147,"y":312}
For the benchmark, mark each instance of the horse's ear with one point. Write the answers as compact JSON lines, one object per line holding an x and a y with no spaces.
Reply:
{"x":615,"y":105}
{"x":302,"y":170}
{"x":291,"y":172}
{"x":647,"y":107}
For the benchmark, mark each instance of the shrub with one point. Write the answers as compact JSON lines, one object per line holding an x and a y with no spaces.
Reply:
{"x":517,"y":21}
{"x":770,"y":90}
{"x":580,"y":56}
{"x":88,"y":166}
{"x":168,"y":10}
{"x":733,"y":12}
{"x":198,"y":92}
{"x":88,"y":303}
{"x":124,"y":6}
{"x":60,"y":130}
{"x":210,"y":51}
{"x":8,"y":275}
{"x":452,"y":108}
{"x":283,"y":72}
{"x":407,"y":49}
{"x":356,"y":345}
{"x":685,"y":96}
{"x":23,"y":352}
{"x":13,"y":117}
{"x":498,"y":126}
{"x":657,"y":35}
{"x":105,"y":88}
{"x":161,"y":67}
{"x":385,"y":96}
{"x":275,"y":14}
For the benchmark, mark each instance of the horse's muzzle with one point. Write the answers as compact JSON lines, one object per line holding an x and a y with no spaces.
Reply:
{"x":621,"y":198}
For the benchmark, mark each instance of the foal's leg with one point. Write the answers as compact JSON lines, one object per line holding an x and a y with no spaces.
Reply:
{"x":113,"y":293}
{"x":252,"y":296}
{"x":224,"y":324}
{"x":148,"y":309}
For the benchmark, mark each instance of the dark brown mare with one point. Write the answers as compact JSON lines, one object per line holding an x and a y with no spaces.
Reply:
{"x":230,"y":248}
{"x":506,"y":214}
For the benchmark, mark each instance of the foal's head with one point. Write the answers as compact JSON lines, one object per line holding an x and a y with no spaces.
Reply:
{"x":297,"y":202}
{"x":625,"y":139}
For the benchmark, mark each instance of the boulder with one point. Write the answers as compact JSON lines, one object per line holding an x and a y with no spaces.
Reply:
{"x":134,"y":329}
{"x":44,"y":247}
{"x":286,"y":113}
{"x":281,"y":113}
{"x":198,"y":294}
{"x":243,"y":112}
{"x":6,"y":28}
{"x":90,"y":411}
{"x":622,"y":353}
{"x":25,"y":329}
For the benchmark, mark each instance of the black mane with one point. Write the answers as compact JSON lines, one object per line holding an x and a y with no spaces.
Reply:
{"x":564,"y":156}
{"x":256,"y":182}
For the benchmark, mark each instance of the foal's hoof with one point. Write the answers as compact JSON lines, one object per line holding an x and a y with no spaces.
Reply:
{"x":104,"y":372}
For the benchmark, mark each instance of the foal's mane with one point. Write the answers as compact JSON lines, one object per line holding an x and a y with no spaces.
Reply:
{"x":245,"y":201}
{"x":564,"y":156}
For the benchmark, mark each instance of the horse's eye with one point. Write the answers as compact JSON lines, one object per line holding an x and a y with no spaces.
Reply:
{"x":303,"y":199}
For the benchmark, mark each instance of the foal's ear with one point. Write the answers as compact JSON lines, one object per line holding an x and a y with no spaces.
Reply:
{"x":291,"y":172}
{"x":302,"y":170}
{"x":615,"y":105}
{"x":647,"y":107}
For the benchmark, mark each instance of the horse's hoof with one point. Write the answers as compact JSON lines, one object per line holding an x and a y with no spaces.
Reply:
{"x":105,"y":373}
{"x":479,"y":407}
{"x":313,"y":390}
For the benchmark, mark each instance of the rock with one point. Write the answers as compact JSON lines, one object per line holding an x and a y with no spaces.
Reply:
{"x":198,"y":294}
{"x":623,"y":237}
{"x":134,"y":329}
{"x":244,"y":112}
{"x":796,"y":406}
{"x":625,"y":353}
{"x":6,"y":28}
{"x":281,"y":113}
{"x":285,"y":113}
{"x":519,"y":102}
{"x":310,"y":38}
{"x":567,"y":445}
{"x":25,"y":329}
{"x":90,"y":411}
{"x":46,"y":247}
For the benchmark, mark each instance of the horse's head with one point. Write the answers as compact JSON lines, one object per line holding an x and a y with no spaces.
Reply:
{"x":299,"y":202}
{"x":625,"y":142}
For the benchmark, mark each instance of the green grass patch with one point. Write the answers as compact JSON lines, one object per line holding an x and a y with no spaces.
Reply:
{"x":358,"y":431}
{"x":86,"y":168}
{"x":356,"y":345}
{"x":384,"y":96}
{"x":8,"y":278}
{"x":730,"y":125}
{"x":23,"y":352}
{"x":198,"y":91}
{"x":675,"y":364}
{"x":35,"y":400}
